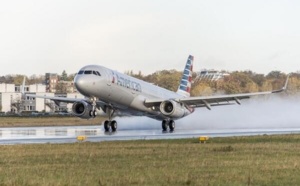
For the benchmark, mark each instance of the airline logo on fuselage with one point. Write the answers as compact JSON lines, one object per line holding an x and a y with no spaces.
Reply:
{"x":126,"y":82}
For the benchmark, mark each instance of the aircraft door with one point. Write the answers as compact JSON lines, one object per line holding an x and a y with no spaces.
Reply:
{"x":112,"y":83}
{"x":109,"y":83}
{"x":132,"y":88}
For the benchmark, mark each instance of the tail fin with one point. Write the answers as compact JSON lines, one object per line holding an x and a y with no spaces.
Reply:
{"x":184,"y":88}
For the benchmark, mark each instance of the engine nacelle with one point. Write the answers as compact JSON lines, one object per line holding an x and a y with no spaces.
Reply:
{"x":172,"y":109}
{"x":82,"y":109}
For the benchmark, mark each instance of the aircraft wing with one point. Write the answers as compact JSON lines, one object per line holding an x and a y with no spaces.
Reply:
{"x":209,"y":101}
{"x":57,"y":100}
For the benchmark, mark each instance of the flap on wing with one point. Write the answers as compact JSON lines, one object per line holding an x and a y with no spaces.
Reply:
{"x":218,"y":100}
{"x":209,"y":102}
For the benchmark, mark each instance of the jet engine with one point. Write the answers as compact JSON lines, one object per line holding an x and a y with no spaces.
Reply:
{"x":82,"y":109}
{"x":172,"y":109}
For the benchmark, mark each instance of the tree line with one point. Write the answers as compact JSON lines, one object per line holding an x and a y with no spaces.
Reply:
{"x":33,"y":79}
{"x":236,"y":82}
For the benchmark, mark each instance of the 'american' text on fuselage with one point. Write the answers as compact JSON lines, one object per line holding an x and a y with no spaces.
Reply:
{"x":125,"y":82}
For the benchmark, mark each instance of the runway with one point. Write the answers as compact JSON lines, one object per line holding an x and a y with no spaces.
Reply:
{"x":42,"y":135}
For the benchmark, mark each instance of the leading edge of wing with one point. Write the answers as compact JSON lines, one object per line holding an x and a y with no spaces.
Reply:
{"x":59,"y":99}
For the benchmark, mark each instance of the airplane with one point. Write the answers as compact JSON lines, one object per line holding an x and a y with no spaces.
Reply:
{"x":119,"y":94}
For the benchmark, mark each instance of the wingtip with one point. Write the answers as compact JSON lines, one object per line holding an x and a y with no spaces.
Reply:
{"x":286,"y":82}
{"x":284,"y":87}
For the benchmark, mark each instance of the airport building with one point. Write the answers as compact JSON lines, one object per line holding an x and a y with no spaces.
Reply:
{"x":210,"y":75}
{"x":12,"y":101}
{"x":51,"y":81}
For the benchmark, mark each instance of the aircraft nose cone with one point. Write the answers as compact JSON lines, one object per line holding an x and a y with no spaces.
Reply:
{"x":79,"y":84}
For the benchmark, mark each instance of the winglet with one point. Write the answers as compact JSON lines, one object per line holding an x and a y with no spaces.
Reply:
{"x":284,"y":87}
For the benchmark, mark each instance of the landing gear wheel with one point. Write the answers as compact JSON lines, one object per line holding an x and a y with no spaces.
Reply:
{"x":114,"y":126}
{"x":164,"y":125}
{"x":93,"y":113}
{"x":172,"y":125}
{"x":106,"y":126}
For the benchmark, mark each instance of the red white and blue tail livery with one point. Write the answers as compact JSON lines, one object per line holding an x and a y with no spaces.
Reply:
{"x":185,"y":86}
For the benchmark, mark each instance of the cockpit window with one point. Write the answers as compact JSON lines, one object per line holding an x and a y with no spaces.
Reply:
{"x":98,"y":73}
{"x":88,"y":72}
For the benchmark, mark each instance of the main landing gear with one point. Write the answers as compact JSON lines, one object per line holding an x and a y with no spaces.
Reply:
{"x":113,"y":125}
{"x":168,"y":124}
{"x":110,"y":124}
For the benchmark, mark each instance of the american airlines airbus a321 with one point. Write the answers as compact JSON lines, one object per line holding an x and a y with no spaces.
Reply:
{"x":119,"y":94}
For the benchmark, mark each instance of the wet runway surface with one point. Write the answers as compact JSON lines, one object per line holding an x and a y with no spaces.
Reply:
{"x":41,"y":135}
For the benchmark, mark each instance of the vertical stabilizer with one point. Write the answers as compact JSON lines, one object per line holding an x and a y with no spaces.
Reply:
{"x":184,"y":88}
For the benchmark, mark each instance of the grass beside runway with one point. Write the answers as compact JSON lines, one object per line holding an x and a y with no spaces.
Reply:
{"x":256,"y":160}
{"x":47,"y":121}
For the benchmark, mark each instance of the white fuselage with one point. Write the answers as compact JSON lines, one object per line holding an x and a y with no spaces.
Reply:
{"x":121,"y":91}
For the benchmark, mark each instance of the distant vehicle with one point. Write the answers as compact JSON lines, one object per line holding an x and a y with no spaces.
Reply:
{"x":119,"y":94}
{"x":30,"y":113}
{"x":36,"y":114}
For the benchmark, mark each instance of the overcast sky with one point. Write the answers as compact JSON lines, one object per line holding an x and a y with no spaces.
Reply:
{"x":39,"y":36}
